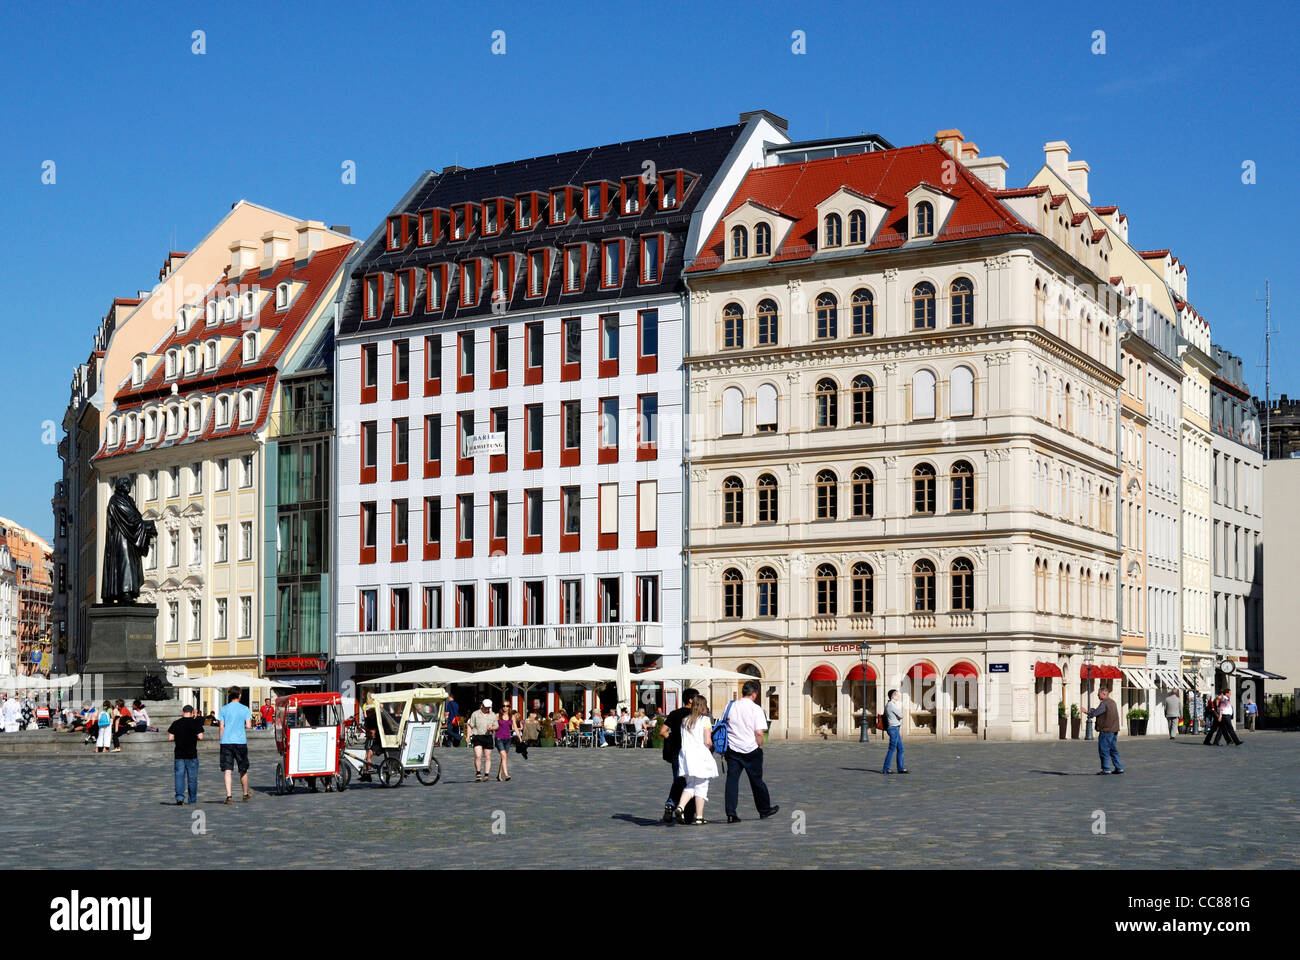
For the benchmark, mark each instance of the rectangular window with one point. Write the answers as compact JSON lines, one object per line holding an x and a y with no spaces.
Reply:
{"x":399,"y":617}
{"x":426,"y":235}
{"x":401,"y":448}
{"x":534,"y":603}
{"x":369,"y":372}
{"x":608,"y":451}
{"x":647,"y":599}
{"x":499,"y":419}
{"x":246,"y":540}
{"x":465,"y":525}
{"x":611,"y":264}
{"x":647,"y":513}
{"x":571,"y":359}
{"x":575,"y":267}
{"x":465,"y":605}
{"x":465,"y":361}
{"x":223,"y":543}
{"x":538,"y":272}
{"x":432,"y":613}
{"x":374,"y":296}
{"x":500,"y":521}
{"x":401,"y":530}
{"x":647,"y":426}
{"x":571,"y":433}
{"x":607,"y":497}
{"x":533,"y":521}
{"x":593,"y":207}
{"x":525,"y":207}
{"x":395,"y":233}
{"x":534,"y":357}
{"x":652,"y":253}
{"x":559,"y":205}
{"x":435,"y":294}
{"x":196,"y":478}
{"x":499,"y":605}
{"x":469,"y":283}
{"x":464,"y":430}
{"x":633,"y":195}
{"x":432,"y":366}
{"x":570,"y":518}
{"x":246,"y":470}
{"x":223,"y":474}
{"x":607,"y":598}
{"x":533,"y":436}
{"x":433,"y":445}
{"x":500,"y":357}
{"x":220,"y":623}
{"x":647,"y":354}
{"x":491,"y":218}
{"x":369,"y":522}
{"x":432,"y":528}
{"x":609,"y":332}
{"x":245,"y":617}
{"x":369,"y":451}
{"x":405,"y":284}
{"x":368,"y":611}
{"x":401,"y":368}
{"x":503,"y":280}
{"x":571,"y":601}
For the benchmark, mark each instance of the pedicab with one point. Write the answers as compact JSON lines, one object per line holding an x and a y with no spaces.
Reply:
{"x":409,"y":722}
{"x":309,"y":738}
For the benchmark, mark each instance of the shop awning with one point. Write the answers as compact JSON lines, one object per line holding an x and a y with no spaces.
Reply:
{"x":856,"y":673}
{"x":1099,"y":671}
{"x":1166,"y":678}
{"x":1138,"y":677}
{"x":1045,"y":668}
{"x":822,"y":674}
{"x":963,"y":669}
{"x":920,"y":671}
{"x":1259,"y":674}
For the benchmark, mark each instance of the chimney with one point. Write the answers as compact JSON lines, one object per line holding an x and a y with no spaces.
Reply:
{"x":243,"y":256}
{"x":1056,"y":154}
{"x":950,"y":141}
{"x":969,"y":151}
{"x":275,"y":247}
{"x":311,"y":237}
{"x":1078,"y":177}
{"x":992,"y":170}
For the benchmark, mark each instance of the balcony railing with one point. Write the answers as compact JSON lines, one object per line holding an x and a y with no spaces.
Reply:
{"x":555,"y":639}
{"x":318,"y":418}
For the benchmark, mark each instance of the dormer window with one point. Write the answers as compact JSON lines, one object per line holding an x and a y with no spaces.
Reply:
{"x":112,"y":432}
{"x":250,"y":347}
{"x":538,"y":269}
{"x":462,"y":220}
{"x":196,"y":416}
{"x":173,"y":422}
{"x":132,"y":428}
{"x":833,"y":232}
{"x":211,"y":313}
{"x":137,"y":371}
{"x":430,"y":227}
{"x":857,"y":227}
{"x":503,"y":278}
{"x":611,"y":264}
{"x":191,"y":359}
{"x":575,"y":267}
{"x":924,"y":219}
{"x":232,"y":307}
{"x":150,"y":425}
{"x":673,"y":186}
{"x":404,"y":283}
{"x":435,"y":297}
{"x":632,"y":197}
{"x":527,"y":210}
{"x":210,"y":355}
{"x":250,"y":304}
{"x":169,"y":365}
{"x":559,"y":205}
{"x":246,"y":407}
{"x":374,"y":295}
{"x":492,"y":217}
{"x":395,"y":233}
{"x":469,"y":282}
{"x":223,"y":411}
{"x":652,"y":257}
{"x":739,"y":243}
{"x":763,"y":240}
{"x":182,"y":319}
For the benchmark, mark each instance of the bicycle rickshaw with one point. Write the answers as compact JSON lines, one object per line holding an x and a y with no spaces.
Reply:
{"x":409,"y":722}
{"x":308,"y":736}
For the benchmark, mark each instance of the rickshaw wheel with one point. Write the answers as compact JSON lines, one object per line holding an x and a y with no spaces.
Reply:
{"x":431,"y":775}
{"x":343,"y":777}
{"x":282,"y":785}
{"x":390,"y":772}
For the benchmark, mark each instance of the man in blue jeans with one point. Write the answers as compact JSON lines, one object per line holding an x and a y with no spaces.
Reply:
{"x":894,"y":727}
{"x":746,"y":725}
{"x":186,"y":733}
{"x":1107,"y":713}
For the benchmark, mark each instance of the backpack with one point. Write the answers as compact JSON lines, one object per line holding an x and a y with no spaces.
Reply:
{"x":103,"y":718}
{"x":720,"y":732}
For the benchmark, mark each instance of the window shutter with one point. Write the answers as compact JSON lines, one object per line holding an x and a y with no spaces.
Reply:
{"x":609,"y":508}
{"x":648,"y":493}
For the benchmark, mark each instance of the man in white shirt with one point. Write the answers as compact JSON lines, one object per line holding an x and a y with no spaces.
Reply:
{"x":746,"y":725}
{"x":1225,"y":729}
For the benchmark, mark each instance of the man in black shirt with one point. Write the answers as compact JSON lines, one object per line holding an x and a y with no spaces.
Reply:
{"x":186,"y":734}
{"x":672,"y":747}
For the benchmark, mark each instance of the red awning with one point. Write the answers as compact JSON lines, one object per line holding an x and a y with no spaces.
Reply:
{"x":1099,"y":671}
{"x":856,"y":673}
{"x":963,"y":669}
{"x":1112,"y":673}
{"x":1044,"y":668}
{"x":920,"y":671}
{"x":822,"y":674}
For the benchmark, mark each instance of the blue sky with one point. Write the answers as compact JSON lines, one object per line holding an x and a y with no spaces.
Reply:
{"x":152,"y":143}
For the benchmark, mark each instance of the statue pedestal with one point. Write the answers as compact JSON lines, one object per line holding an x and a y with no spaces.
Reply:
{"x":123,"y":649}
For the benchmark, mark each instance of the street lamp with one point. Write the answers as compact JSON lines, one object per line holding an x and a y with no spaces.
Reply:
{"x":1089,"y":649}
{"x":863,"y":651}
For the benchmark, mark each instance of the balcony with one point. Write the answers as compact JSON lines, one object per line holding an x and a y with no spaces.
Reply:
{"x":568,"y":639}
{"x":315,"y":418}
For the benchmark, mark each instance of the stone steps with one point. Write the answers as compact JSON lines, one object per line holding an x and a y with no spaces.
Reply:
{"x":60,"y":743}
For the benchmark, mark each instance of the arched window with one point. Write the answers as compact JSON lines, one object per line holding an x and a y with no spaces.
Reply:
{"x":767,"y":499}
{"x":132,"y":428}
{"x":733,"y":326}
{"x":766,"y":592}
{"x":828,"y":403}
{"x":828,"y":495}
{"x":963,"y":487}
{"x":223,"y":411}
{"x":863,"y":398}
{"x":828,"y":592}
{"x":827,"y":317}
{"x":923,"y":488}
{"x":961,"y":400}
{"x":733,"y":411}
{"x":231,"y":308}
{"x":739,"y":243}
{"x":834,"y":230}
{"x":863,"y":599}
{"x":191,"y":358}
{"x":246,"y":407}
{"x":210,"y":312}
{"x":250,"y":304}
{"x":250,"y":347}
{"x":282,"y":296}
{"x":923,"y":586}
{"x":210,"y":355}
{"x":923,"y":306}
{"x":963,"y":585}
{"x":196,"y":416}
{"x":864,"y":313}
{"x":924,"y":219}
{"x":923,"y":395}
{"x":863,"y":493}
{"x":762,"y":240}
{"x":169,"y":365}
{"x":962,"y":298}
{"x":765,"y":409}
{"x":767,"y":323}
{"x":137,"y":371}
{"x":733,"y":594}
{"x":857,"y":227}
{"x":173,"y":422}
{"x":733,"y":501}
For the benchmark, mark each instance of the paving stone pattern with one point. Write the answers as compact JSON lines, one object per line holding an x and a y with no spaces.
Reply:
{"x":1023,"y":805}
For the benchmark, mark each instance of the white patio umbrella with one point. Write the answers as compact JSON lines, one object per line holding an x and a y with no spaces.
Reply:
{"x":590,"y":675}
{"x":523,"y":675}
{"x":219,"y":681}
{"x":623,"y":677}
{"x":435,"y":675}
{"x":691,"y":673}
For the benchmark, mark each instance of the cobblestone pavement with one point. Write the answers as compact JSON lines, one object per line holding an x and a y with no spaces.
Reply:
{"x":1028,"y":805}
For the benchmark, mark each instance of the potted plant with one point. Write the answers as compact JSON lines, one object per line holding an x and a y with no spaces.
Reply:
{"x":1060,"y":717}
{"x":1075,"y":720}
{"x":1137,"y":722}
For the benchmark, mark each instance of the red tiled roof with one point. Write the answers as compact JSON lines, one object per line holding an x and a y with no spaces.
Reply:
{"x":126,"y":301}
{"x":1097,"y":235}
{"x":1077,"y":219}
{"x":1116,"y":280}
{"x":883,"y":176}
{"x":177,"y":254}
{"x":1057,"y":200}
{"x":1013,"y":192}
{"x":1103,"y":211}
{"x":1153,"y":254}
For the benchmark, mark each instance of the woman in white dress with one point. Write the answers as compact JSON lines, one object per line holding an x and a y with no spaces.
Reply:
{"x":695,"y":762}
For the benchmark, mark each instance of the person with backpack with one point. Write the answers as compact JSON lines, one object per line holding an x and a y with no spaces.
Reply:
{"x":672,"y":747}
{"x":104,"y":726}
{"x":741,"y":742}
{"x":694,"y":761}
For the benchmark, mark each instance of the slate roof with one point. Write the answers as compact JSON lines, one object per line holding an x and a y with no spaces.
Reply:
{"x":700,"y":152}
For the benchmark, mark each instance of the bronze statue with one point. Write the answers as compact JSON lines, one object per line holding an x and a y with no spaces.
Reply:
{"x":127,"y":536}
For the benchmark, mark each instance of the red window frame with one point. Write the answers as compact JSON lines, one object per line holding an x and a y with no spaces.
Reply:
{"x":622,"y":253}
{"x":497,"y":462}
{"x":533,"y":542}
{"x":640,"y":613}
{"x":642,"y":279}
{"x":508,"y":294}
{"x":369,"y":392}
{"x":499,"y":203}
{"x":440,"y":303}
{"x":410,"y":292}
{"x":401,"y":388}
{"x":606,"y":541}
{"x":432,"y":349}
{"x":646,"y":451}
{"x":367,"y":553}
{"x":531,"y":271}
{"x":570,"y":542}
{"x":570,"y":371}
{"x":608,"y":367}
{"x":570,"y":456}
{"x":432,"y":217}
{"x":640,"y":185}
{"x":398,"y":550}
{"x":369,"y":473}
{"x":533,"y":458}
{"x":497,"y":546}
{"x":431,"y":589}
{"x":462,"y":215}
{"x":604,"y":199}
{"x":432,"y":444}
{"x":474,"y":289}
{"x":582,"y":268}
{"x":465,"y":381}
{"x":679,"y":181}
{"x":372,"y":306}
{"x":568,"y":192}
{"x":606,"y":453}
{"x":646,"y":363}
{"x":646,"y":538}
{"x":464,"y":545}
{"x":498,"y":379}
{"x":396,"y":239}
{"x":525,"y":619}
{"x":432,"y":508}
{"x":361,"y":609}
{"x":526,"y":201}
{"x":533,"y":374}
{"x":401,"y":470}
{"x":464,"y":464}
